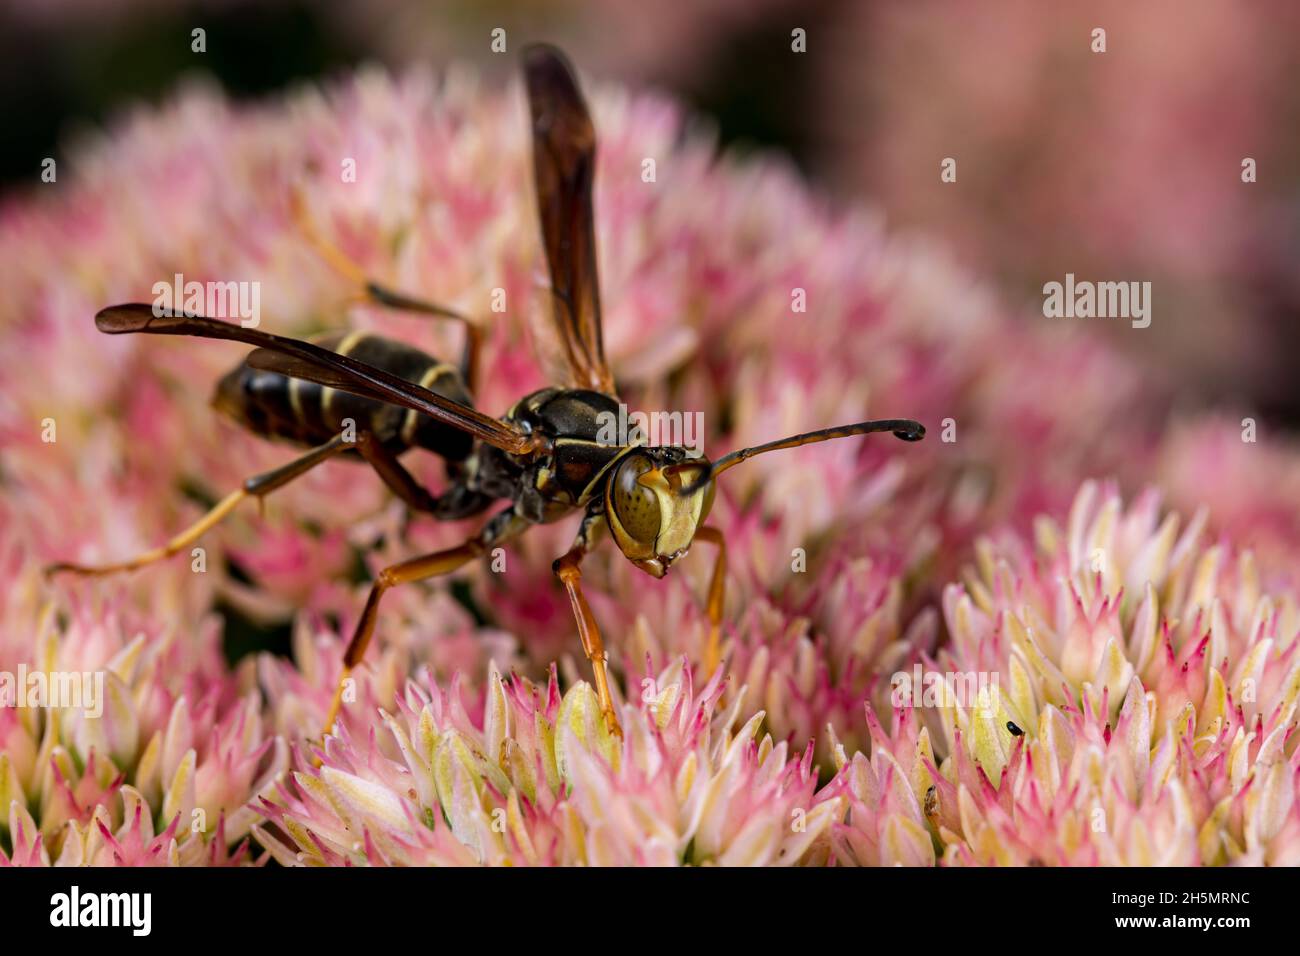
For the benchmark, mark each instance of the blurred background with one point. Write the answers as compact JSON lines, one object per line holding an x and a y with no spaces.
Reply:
{"x":1117,"y":166}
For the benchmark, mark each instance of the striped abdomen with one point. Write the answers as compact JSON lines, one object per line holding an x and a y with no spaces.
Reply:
{"x":275,"y":406}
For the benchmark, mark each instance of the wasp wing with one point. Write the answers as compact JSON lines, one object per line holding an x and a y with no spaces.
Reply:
{"x":298,"y":359}
{"x":564,"y":168}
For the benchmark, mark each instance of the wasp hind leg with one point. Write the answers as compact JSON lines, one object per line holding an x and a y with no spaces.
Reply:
{"x":504,"y":525}
{"x":257,"y":487}
{"x":379,"y":294}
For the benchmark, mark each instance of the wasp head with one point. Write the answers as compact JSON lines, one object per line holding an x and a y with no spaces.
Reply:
{"x":654,"y":502}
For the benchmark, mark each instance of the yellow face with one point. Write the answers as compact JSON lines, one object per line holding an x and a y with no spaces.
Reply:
{"x":651,"y":518}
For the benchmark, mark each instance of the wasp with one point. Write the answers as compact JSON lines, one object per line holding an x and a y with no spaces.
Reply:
{"x":542,"y":458}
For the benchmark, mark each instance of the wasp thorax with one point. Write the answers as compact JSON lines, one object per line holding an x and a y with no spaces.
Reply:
{"x":651,"y":515}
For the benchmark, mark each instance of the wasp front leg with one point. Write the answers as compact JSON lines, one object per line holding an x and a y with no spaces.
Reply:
{"x":717,"y":597}
{"x":568,"y":569}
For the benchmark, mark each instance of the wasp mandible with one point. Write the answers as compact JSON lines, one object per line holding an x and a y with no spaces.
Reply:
{"x":542,"y":458}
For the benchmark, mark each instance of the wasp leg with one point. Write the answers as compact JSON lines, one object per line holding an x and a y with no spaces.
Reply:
{"x":567,"y":569}
{"x":457,"y":503}
{"x":382,"y":295}
{"x":717,"y":597}
{"x":505,"y":525}
{"x":256,"y":487}
{"x":375,"y":292}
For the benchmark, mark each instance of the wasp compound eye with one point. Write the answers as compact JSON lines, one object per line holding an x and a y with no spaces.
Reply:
{"x":635,"y":505}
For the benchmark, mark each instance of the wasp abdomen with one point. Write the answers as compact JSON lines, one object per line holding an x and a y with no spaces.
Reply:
{"x":307,"y":413}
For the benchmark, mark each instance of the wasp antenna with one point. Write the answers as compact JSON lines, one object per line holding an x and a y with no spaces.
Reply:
{"x":903,"y":428}
{"x":120,"y":319}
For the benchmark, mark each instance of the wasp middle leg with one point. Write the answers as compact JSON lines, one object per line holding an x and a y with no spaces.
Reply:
{"x":258,"y":487}
{"x":568,"y":569}
{"x":456,"y":503}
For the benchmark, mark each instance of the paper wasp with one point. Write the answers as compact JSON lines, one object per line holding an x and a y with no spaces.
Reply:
{"x":542,"y":457}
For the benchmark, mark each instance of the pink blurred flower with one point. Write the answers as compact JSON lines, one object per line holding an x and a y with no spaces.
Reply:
{"x":1246,"y":478}
{"x":1029,"y":111}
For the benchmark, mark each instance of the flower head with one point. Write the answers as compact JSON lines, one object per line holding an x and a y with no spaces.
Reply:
{"x":1148,"y":680}
{"x":154,"y":759}
{"x":534,"y":777}
{"x":1143,"y":710}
